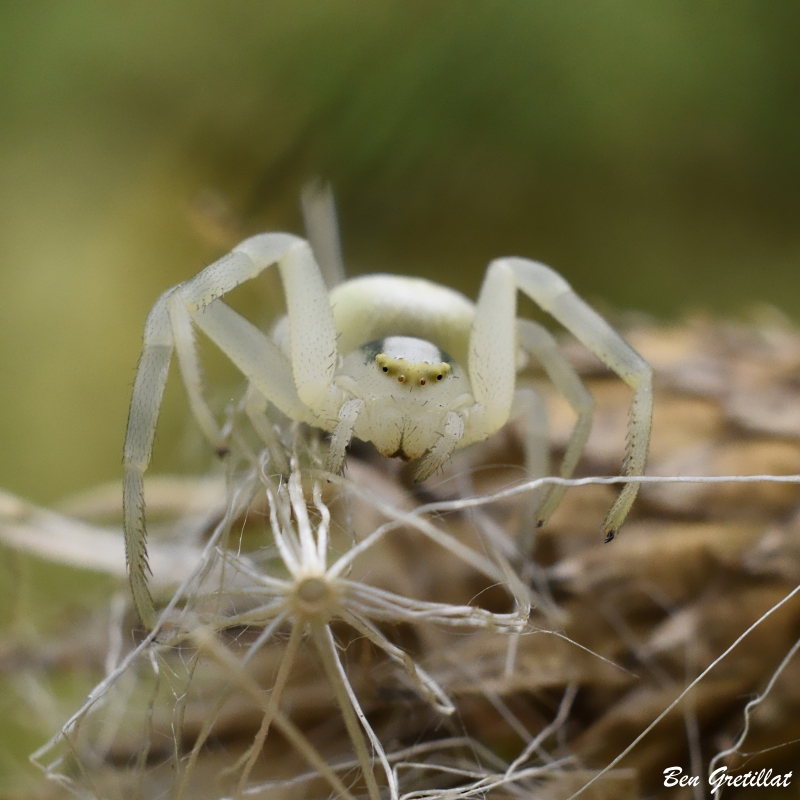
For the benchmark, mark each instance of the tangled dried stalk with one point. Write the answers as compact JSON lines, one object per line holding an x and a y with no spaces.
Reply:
{"x":355,"y":638}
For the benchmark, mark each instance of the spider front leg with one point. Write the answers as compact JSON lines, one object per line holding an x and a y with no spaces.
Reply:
{"x":322,"y":230}
{"x":436,"y":457}
{"x":302,"y":389}
{"x":311,"y":327}
{"x":490,"y":369}
{"x":148,"y":391}
{"x":537,"y":341}
{"x":256,"y":407}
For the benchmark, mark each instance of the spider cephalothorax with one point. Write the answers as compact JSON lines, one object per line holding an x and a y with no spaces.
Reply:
{"x":415,"y":368}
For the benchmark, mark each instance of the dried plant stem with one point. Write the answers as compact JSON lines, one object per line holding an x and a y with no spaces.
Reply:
{"x":351,"y":710}
{"x":386,"y":606}
{"x":205,"y":731}
{"x":287,"y":662}
{"x":394,"y":757}
{"x":426,"y":685}
{"x":535,"y":743}
{"x":414,"y":520}
{"x":756,"y":701}
{"x":211,"y":718}
{"x":300,"y":743}
{"x":529,"y":486}
{"x":686,"y":691}
{"x":209,"y":643}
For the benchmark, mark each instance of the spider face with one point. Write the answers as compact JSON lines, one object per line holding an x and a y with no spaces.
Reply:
{"x":414,"y":367}
{"x":407,"y":386}
{"x":384,"y":367}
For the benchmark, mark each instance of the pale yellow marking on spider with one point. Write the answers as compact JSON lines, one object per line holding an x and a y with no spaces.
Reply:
{"x":335,"y":362}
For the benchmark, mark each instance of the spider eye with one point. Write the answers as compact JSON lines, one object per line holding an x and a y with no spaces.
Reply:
{"x":439,"y":377}
{"x":422,"y":381}
{"x":386,"y":369}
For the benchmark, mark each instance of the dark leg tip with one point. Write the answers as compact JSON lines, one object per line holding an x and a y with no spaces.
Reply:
{"x":539,"y":523}
{"x":609,"y":536}
{"x":223,"y":450}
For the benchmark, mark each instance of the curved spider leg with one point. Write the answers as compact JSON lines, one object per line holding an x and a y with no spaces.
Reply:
{"x":555,"y":296}
{"x":539,"y":342}
{"x":256,"y":409}
{"x":492,"y":360}
{"x":311,"y":329}
{"x":271,"y":379}
{"x":443,"y":449}
{"x":529,"y":407}
{"x":322,"y":230}
{"x":148,"y":390}
{"x":260,"y":361}
{"x":216,"y":280}
{"x":192,"y":373}
{"x":303,"y":390}
{"x":343,"y":433}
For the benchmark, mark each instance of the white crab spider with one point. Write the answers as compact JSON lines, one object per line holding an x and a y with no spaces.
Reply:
{"x":415,"y":368}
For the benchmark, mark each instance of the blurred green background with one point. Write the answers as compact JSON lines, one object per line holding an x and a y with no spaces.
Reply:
{"x":649,"y":151}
